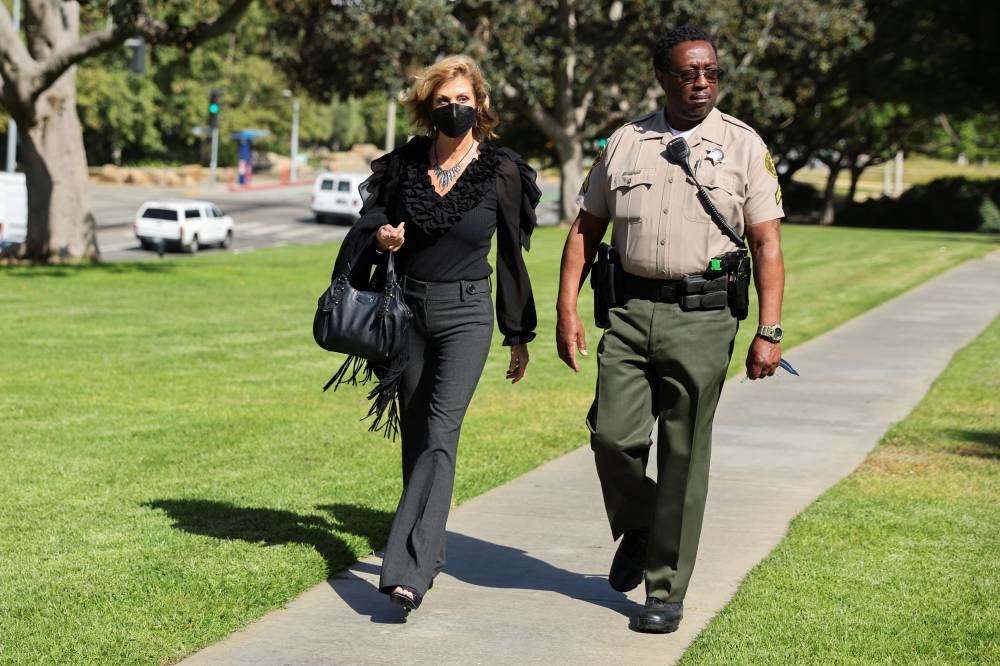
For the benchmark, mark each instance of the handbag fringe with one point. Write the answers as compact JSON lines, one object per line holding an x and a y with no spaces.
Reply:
{"x":384,"y":410}
{"x":356,"y":366}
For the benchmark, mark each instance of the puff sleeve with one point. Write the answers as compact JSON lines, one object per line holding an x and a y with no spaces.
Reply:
{"x":358,"y":251}
{"x":518,"y":196}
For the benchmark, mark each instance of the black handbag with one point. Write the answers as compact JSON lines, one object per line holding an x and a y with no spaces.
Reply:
{"x":364,"y":324}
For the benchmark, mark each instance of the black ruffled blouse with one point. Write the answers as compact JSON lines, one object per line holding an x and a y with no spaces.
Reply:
{"x":449,"y":237}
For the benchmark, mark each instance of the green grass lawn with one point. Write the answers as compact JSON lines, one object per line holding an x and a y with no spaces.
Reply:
{"x":900,"y":562}
{"x":173,"y":471}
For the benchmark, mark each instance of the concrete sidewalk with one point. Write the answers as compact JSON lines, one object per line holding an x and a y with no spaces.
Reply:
{"x":526,"y":577}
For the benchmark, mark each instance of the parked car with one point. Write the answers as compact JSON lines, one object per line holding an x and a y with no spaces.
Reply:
{"x":13,"y":209}
{"x":336,"y":195}
{"x":182,"y":224}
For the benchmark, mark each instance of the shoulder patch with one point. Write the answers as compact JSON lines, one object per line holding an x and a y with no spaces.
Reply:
{"x":769,"y":164}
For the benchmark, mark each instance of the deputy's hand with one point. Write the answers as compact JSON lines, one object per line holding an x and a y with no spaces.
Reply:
{"x":518,"y":363}
{"x":570,"y":336}
{"x":762,"y":358}
{"x":390,"y":238}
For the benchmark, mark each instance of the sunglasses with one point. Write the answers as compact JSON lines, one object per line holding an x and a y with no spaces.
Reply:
{"x":689,"y":76}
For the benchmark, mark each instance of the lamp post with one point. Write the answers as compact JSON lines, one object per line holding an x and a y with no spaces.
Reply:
{"x":293,"y":170}
{"x":11,"y":125}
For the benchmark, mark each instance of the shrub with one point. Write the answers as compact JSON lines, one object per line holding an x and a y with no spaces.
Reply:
{"x":945,"y":204}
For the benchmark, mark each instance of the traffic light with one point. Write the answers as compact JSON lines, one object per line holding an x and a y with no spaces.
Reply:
{"x":213,"y":108}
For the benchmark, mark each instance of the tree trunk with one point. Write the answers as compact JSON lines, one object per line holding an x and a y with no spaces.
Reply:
{"x":570,"y":177}
{"x":61,"y":226}
{"x":828,"y":195}
{"x":857,"y":166}
{"x":855,"y":176}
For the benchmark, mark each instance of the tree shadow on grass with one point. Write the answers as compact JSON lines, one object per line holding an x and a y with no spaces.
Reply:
{"x":977,"y":443}
{"x":272,"y":527}
{"x":63,"y":271}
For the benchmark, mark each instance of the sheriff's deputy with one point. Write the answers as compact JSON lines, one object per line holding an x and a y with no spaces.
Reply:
{"x":659,"y":362}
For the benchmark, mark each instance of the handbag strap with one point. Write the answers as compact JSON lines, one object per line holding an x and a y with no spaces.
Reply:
{"x":390,"y":271}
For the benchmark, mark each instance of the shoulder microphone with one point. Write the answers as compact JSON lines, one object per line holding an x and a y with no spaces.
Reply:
{"x":678,"y":152}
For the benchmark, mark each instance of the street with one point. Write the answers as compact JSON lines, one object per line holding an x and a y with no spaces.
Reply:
{"x":262,"y":218}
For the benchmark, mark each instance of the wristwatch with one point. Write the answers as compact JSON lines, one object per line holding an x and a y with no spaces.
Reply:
{"x":770,"y":333}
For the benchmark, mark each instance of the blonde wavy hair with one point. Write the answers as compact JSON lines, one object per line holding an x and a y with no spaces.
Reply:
{"x":419,"y":99}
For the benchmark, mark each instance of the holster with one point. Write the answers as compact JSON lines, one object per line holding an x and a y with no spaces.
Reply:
{"x":739,"y":282}
{"x":606,"y":281}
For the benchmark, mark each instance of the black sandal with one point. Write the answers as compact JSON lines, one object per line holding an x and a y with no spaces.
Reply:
{"x":407,"y":602}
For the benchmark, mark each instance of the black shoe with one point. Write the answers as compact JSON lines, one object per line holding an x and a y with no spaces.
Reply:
{"x":627,"y":567}
{"x":407,"y":602}
{"x":660,"y":617}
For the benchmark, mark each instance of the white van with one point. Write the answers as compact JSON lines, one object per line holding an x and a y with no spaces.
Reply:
{"x":182,"y":223}
{"x":13,"y":209}
{"x":336,"y":195}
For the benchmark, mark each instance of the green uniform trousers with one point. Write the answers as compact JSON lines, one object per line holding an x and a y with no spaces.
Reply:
{"x":657,"y":362}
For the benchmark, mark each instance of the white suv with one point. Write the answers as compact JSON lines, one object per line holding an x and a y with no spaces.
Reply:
{"x":336,"y":195}
{"x":13,"y":209}
{"x":184,"y":224}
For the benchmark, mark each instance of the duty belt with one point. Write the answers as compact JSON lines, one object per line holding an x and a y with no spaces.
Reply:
{"x":648,"y":289}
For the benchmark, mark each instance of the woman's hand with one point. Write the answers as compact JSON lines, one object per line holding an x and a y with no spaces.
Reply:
{"x":390,"y":238}
{"x":518,"y":363}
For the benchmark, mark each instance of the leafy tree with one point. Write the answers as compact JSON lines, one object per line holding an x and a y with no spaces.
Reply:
{"x":39,"y":87}
{"x":849,"y":82}
{"x":979,"y":136}
{"x":789,"y":72}
{"x":553,"y":62}
{"x":348,"y":122}
{"x":117,"y":110}
{"x":174,"y":93}
{"x":573,"y":70}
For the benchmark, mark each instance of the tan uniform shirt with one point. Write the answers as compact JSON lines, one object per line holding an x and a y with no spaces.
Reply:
{"x":660,"y":228}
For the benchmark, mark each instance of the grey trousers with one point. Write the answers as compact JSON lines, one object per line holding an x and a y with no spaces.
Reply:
{"x":449,"y":339}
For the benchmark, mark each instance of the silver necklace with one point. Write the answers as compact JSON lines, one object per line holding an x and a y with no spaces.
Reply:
{"x":445,"y":176}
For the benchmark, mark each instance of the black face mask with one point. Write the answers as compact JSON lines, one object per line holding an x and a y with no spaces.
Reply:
{"x":454,"y":120}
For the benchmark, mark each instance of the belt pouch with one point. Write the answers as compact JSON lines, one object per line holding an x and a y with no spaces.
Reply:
{"x":704,"y":292}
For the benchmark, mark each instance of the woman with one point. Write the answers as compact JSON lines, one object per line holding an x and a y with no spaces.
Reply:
{"x":437,"y":203}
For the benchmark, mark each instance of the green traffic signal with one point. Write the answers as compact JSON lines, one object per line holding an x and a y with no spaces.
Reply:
{"x":213,"y":108}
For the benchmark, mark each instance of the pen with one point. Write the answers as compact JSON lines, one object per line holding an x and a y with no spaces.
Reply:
{"x":787,"y":366}
{"x":781,"y":364}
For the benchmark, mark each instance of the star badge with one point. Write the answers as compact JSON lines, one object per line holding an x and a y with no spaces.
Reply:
{"x":716,"y":156}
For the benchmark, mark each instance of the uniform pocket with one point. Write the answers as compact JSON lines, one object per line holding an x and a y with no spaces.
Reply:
{"x":721,"y":189}
{"x":630,"y":191}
